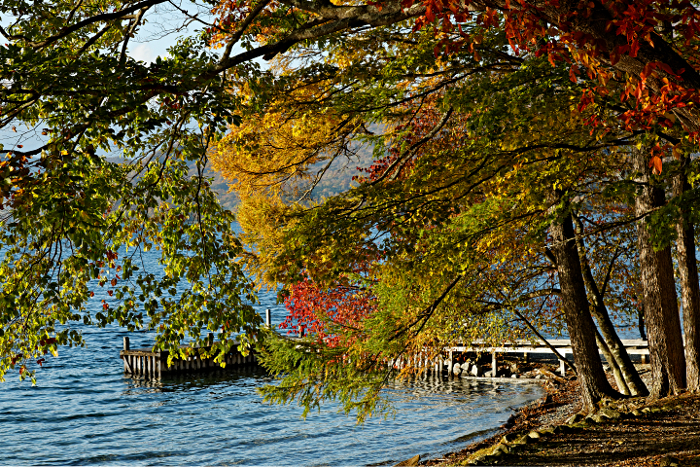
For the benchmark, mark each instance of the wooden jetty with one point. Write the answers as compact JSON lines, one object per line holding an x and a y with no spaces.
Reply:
{"x":526,"y":348}
{"x":154,"y":365}
{"x":445,"y":362}
{"x":151,"y":364}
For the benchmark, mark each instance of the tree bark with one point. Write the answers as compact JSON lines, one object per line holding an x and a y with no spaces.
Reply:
{"x":614,"y":367}
{"x":593,"y":382}
{"x":690,"y":286}
{"x":617,"y":350}
{"x":659,"y":292}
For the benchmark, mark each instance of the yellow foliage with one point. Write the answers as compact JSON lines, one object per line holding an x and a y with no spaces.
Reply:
{"x":282,"y":147}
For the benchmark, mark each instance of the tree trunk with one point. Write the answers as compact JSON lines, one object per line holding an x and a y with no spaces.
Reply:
{"x":659,"y":292}
{"x":617,"y":350}
{"x":614,"y":367}
{"x":593,"y":382}
{"x":690,"y":287}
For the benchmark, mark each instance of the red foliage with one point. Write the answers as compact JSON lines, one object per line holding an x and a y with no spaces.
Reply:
{"x":320,"y":312}
{"x":656,"y":38}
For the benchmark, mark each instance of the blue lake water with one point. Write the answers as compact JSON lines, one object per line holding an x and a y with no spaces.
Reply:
{"x":84,"y":411}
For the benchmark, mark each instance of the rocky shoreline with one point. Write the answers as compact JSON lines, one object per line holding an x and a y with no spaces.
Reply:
{"x":551,"y":431}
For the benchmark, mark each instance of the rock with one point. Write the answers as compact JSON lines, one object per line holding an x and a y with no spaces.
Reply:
{"x":510,"y":422}
{"x":475,"y":370}
{"x":575,"y":418}
{"x":538,"y":376}
{"x":456,"y":370}
{"x":487,"y":374}
{"x":514,"y":376}
{"x":610,"y":414}
{"x":500,"y":450}
{"x":636,"y":413}
{"x":415,"y":460}
{"x":591,"y":421}
{"x":534,"y":435}
{"x":514,"y":368}
{"x":668,"y":461}
{"x":509,"y":438}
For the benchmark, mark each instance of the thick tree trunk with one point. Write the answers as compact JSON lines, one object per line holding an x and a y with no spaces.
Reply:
{"x":622,"y":361}
{"x":690,"y":288}
{"x":659,"y":292}
{"x":582,"y":330}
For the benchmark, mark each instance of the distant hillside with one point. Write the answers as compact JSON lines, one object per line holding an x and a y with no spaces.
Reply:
{"x":338,"y":178}
{"x":221,"y":187}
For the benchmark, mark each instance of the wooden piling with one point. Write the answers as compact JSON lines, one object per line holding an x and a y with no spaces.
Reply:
{"x":562,"y":366}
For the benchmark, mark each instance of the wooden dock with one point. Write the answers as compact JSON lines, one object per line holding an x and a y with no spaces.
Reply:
{"x":154,"y":365}
{"x":525,"y":348}
{"x":450,"y":357}
{"x":149,"y":364}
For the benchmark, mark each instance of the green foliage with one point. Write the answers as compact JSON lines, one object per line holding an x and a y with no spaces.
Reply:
{"x":110,"y":180}
{"x":313,"y":374}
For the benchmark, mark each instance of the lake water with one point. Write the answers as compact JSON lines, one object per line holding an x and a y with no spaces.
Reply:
{"x":84,"y":411}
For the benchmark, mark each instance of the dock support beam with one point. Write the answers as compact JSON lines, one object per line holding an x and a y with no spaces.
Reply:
{"x":268,"y":319}
{"x":562,"y":366}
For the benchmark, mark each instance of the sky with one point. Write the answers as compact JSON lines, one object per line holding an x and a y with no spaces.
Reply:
{"x":163,"y":26}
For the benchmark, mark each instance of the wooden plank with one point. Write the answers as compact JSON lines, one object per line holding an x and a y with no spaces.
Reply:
{"x":127,"y":367}
{"x":505,"y":349}
{"x":553,"y":342}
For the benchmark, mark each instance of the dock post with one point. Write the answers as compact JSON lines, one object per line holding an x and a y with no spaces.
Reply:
{"x":127,"y":368}
{"x":494,"y":365}
{"x":268,"y":319}
{"x":562,"y":367}
{"x":449,"y":367}
{"x":210,"y":339}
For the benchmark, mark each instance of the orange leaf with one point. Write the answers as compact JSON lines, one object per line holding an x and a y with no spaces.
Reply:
{"x":657,"y":164}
